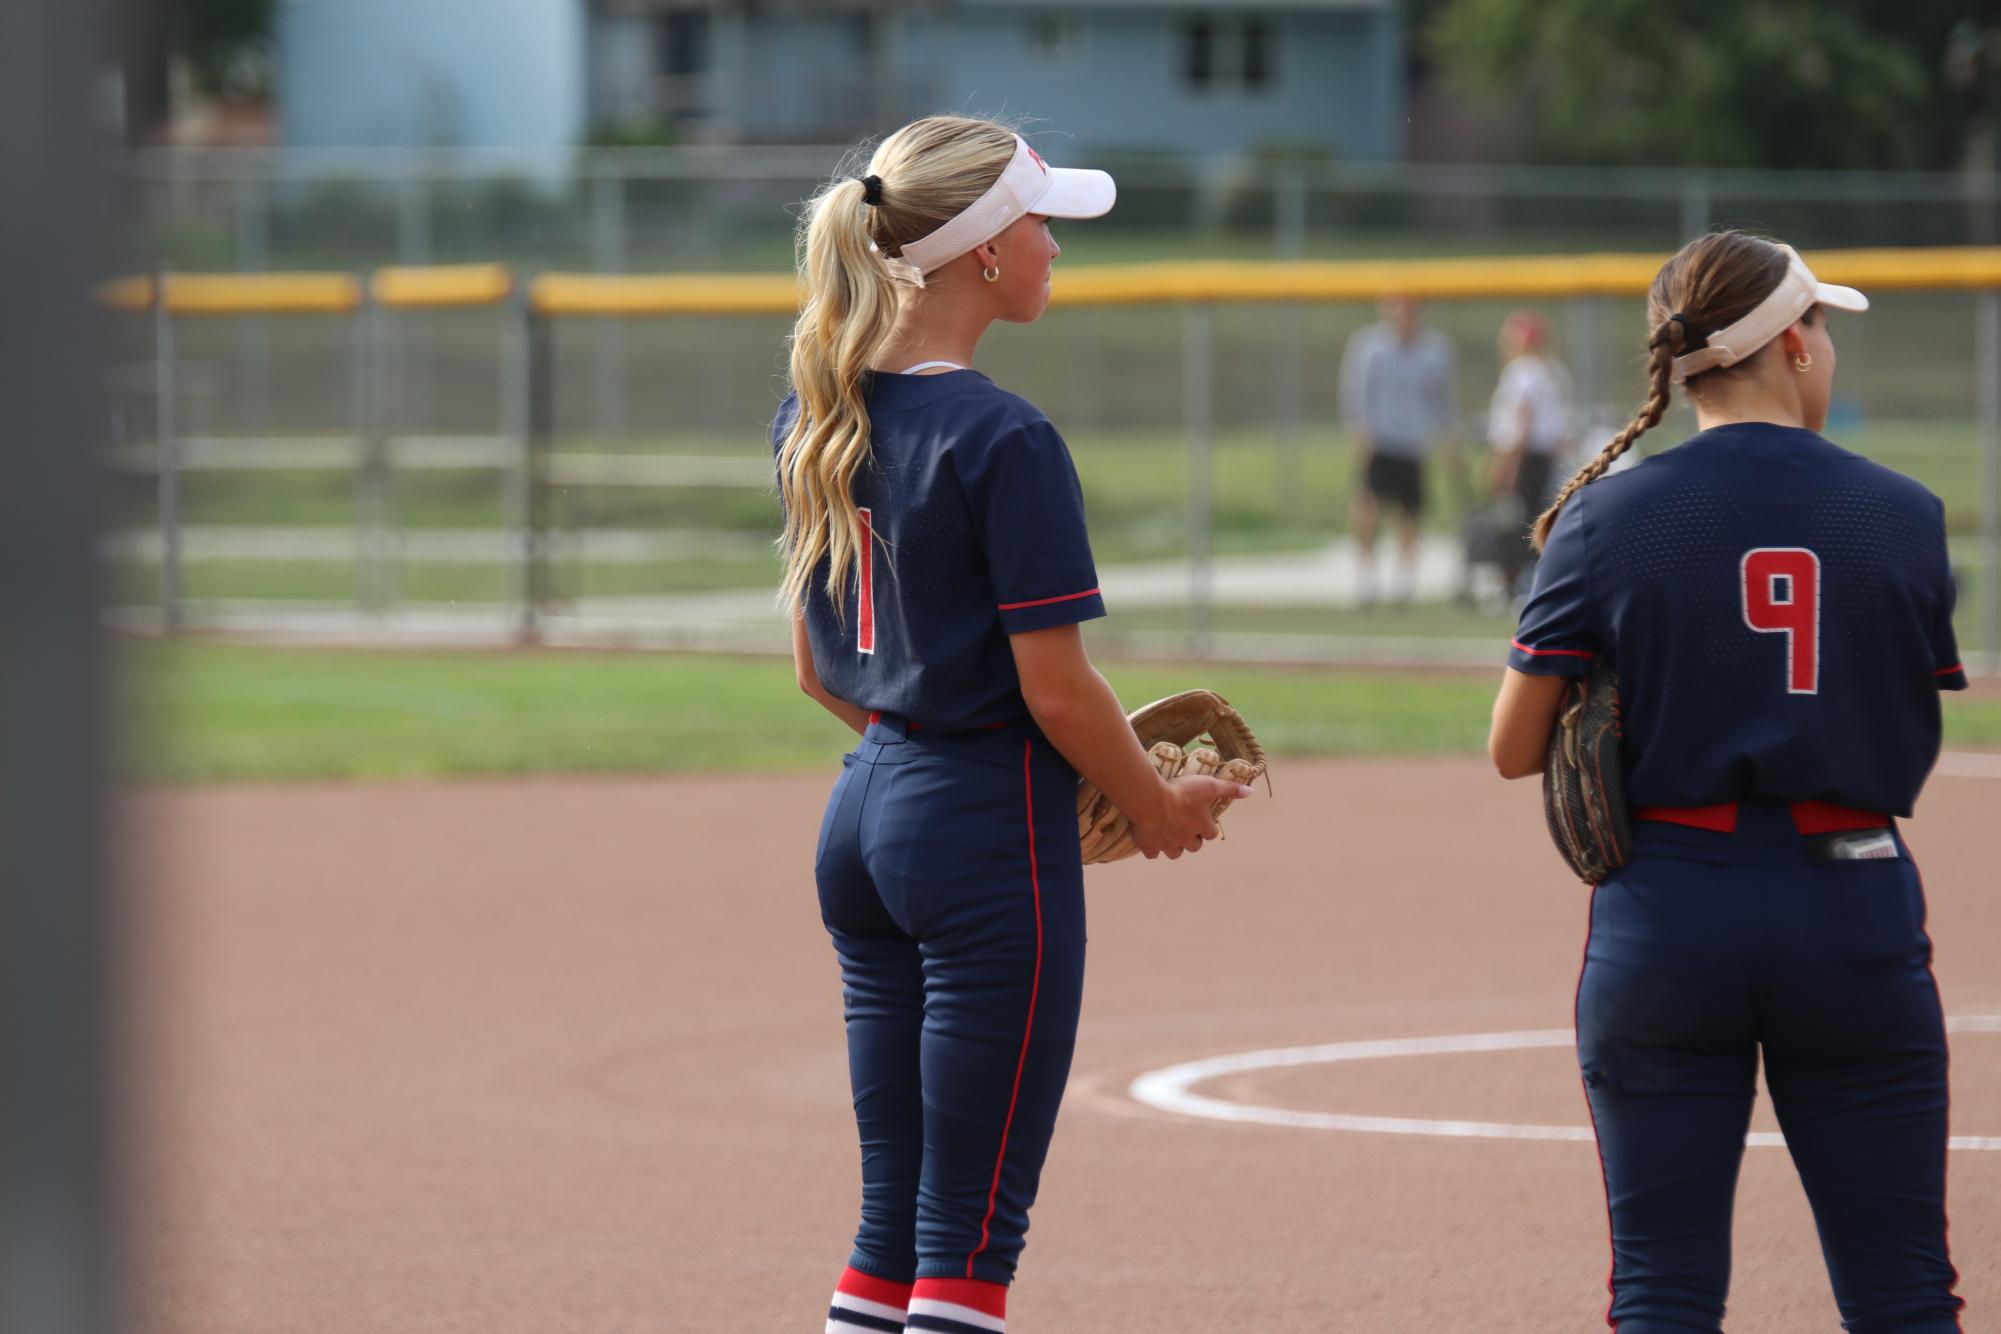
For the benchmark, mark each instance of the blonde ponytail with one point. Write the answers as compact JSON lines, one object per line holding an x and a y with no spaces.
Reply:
{"x":926,"y":174}
{"x":849,"y":310}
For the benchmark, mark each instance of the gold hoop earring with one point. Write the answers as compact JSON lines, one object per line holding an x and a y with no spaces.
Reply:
{"x":1802,"y":362}
{"x":991,"y":275}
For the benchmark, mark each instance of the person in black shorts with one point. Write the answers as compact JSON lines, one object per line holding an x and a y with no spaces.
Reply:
{"x":1398,"y":403}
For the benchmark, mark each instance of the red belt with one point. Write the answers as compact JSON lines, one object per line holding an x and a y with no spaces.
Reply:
{"x":1809,"y":817}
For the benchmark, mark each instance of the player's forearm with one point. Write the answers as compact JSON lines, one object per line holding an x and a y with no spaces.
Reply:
{"x":1082,"y":717}
{"x":855,"y":718}
{"x":809,"y":681}
{"x":1524,"y":715}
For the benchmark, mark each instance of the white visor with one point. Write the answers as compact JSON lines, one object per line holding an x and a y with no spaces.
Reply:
{"x":1798,"y":292}
{"x":1028,"y":185}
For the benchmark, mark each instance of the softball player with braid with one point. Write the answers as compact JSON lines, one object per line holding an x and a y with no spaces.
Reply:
{"x":938,"y":568}
{"x":1779,"y":615}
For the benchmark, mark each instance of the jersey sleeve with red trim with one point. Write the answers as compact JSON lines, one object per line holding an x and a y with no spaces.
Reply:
{"x":1555,"y":636}
{"x":1029,"y":509}
{"x":1948,"y":668}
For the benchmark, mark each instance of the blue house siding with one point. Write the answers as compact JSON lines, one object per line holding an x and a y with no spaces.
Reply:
{"x":543,"y":73}
{"x":437,"y":73}
{"x":1335,"y":82}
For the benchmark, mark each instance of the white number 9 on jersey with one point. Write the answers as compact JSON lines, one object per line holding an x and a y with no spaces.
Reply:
{"x":1781,"y":588}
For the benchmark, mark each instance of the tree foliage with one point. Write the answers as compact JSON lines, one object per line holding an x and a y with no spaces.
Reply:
{"x":226,"y":43}
{"x":1751,"y":83}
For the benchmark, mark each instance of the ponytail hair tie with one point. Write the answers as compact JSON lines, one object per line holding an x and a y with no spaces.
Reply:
{"x":1689,"y":336}
{"x":871,"y":190}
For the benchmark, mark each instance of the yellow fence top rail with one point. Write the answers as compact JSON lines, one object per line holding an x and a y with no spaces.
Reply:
{"x":440,"y":286}
{"x":1510,"y":277}
{"x":240,"y":293}
{"x":665,"y":294}
{"x":1500,"y":278}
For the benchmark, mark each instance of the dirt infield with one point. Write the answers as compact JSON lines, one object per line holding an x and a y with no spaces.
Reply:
{"x":566,"y":1056}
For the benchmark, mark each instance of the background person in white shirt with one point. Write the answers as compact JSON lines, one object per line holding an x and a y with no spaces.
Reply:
{"x":1398,"y":402}
{"x":1528,"y":421}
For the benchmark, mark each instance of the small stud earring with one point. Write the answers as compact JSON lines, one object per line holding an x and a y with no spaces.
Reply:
{"x":1803,"y":361}
{"x":991,"y":275}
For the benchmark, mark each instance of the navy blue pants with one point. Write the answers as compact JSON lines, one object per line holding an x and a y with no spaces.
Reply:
{"x":951,"y":881}
{"x":1706,"y":950}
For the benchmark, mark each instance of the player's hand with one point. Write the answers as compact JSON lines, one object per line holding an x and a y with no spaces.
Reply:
{"x":1185,"y":815}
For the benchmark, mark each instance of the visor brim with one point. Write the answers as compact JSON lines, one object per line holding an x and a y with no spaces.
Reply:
{"x":1075,"y":192}
{"x":1837,"y":297}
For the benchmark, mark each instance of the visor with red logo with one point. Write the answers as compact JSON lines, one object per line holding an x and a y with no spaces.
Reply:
{"x":1028,"y":185}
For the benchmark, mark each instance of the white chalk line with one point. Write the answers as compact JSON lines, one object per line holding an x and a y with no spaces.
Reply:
{"x":1969,"y":764}
{"x":1171,"y":1089}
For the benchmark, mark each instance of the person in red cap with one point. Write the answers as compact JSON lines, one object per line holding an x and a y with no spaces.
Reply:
{"x":1529,"y":431}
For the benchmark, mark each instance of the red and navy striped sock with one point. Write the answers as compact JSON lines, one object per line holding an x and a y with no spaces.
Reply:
{"x":865,"y":1302}
{"x":958,"y":1306}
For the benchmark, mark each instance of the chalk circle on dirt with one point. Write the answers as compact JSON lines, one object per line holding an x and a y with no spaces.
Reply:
{"x":1172,"y":1089}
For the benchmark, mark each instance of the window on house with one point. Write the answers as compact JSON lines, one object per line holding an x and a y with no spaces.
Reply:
{"x":1255,"y":40}
{"x":1054,"y":38}
{"x":1198,"y":52}
{"x":683,"y":42}
{"x":1229,"y":53}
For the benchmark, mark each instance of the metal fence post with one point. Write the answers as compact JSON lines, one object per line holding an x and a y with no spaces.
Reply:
{"x":1197,"y":376}
{"x":1695,"y":203}
{"x":253,"y":332}
{"x":1586,"y":331}
{"x":1987,"y":349}
{"x":371,"y":430}
{"x":167,"y":453}
{"x":515,"y":410}
{"x":608,"y":256}
{"x":1289,"y":474}
{"x":413,"y":216}
{"x":535,"y":507}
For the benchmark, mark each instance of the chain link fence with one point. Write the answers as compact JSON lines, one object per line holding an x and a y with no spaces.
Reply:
{"x":372,"y":469}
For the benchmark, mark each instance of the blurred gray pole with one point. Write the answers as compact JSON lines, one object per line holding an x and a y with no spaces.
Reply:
{"x":58,"y":1270}
{"x":370,"y":425}
{"x":515,"y":410}
{"x":253,"y":332}
{"x":1987,"y":349}
{"x":1197,"y":376}
{"x":1694,"y":205}
{"x":1586,"y":331}
{"x":541,"y":425}
{"x":167,"y":454}
{"x":1289,"y":208}
{"x":608,"y":256}
{"x":413,"y":216}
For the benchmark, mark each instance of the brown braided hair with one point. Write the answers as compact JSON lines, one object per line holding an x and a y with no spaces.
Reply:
{"x":1711,"y":283}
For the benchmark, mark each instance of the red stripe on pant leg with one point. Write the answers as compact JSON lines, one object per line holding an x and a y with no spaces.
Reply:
{"x":1611,"y":1240}
{"x":1034,"y":989}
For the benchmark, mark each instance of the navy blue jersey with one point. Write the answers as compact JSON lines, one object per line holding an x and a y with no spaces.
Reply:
{"x":1778,"y":610}
{"x":975,"y":524}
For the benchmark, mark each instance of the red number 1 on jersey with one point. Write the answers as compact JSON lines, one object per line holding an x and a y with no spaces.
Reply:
{"x":865,"y":576}
{"x":1782,"y":596}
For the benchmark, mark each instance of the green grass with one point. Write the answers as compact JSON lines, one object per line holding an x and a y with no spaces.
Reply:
{"x":208,"y":712}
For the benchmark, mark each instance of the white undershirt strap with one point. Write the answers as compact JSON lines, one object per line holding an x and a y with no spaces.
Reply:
{"x":932,"y":365}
